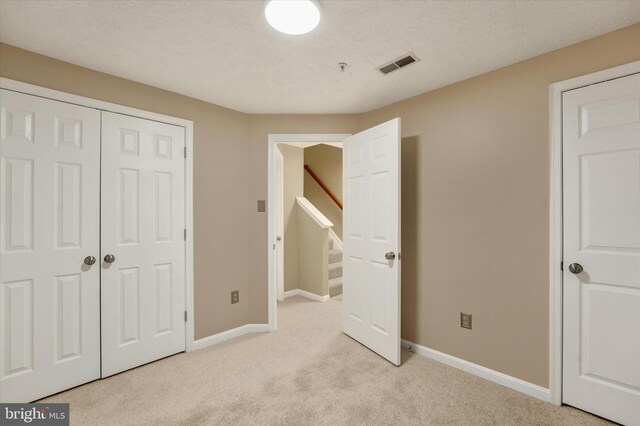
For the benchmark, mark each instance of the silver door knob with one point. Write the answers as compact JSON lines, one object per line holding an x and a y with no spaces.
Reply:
{"x":278,"y":238}
{"x":89,"y":260}
{"x":390,"y":256}
{"x":575,"y":268}
{"x":109,"y":258}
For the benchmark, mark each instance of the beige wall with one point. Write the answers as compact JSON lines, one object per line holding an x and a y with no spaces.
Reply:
{"x":313,"y":242}
{"x":475,"y":179}
{"x":326,"y":163}
{"x":293,"y":169}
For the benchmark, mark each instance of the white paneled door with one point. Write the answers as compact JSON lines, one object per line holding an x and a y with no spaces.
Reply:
{"x":601,"y":178}
{"x":50,"y":222}
{"x":371,"y":186}
{"x":143,"y":241}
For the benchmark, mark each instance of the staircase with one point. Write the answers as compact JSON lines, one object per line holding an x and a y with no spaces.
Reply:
{"x":335,"y":250}
{"x":335,"y":269}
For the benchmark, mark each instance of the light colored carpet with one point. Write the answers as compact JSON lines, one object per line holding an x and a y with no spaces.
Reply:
{"x":307,"y":372}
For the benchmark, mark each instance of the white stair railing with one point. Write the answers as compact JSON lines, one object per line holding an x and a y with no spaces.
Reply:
{"x":315,"y":214}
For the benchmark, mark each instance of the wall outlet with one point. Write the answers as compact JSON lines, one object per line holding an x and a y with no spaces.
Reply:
{"x":465,"y":320}
{"x":235,"y":296}
{"x":262,"y":206}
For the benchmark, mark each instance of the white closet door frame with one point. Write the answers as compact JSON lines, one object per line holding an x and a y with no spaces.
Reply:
{"x":56,"y":95}
{"x":555,"y":214}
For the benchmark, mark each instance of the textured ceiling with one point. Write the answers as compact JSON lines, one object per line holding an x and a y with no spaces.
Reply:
{"x":224,"y":52}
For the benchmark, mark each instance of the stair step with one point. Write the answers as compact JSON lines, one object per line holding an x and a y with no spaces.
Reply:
{"x":335,"y":287}
{"x":335,"y":256}
{"x":335,"y":270}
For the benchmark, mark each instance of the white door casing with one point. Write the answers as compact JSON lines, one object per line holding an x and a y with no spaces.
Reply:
{"x":143,"y":225}
{"x":601,"y":305}
{"x":279,"y":222}
{"x":371,"y":186}
{"x":49,"y":299}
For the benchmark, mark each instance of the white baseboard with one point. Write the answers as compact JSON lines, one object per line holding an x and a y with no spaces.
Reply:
{"x":480,"y":371}
{"x":312,"y":296}
{"x":229,"y":334}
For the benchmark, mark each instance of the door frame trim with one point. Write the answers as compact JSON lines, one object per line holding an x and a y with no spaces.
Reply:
{"x":56,"y":95}
{"x":273,"y":141}
{"x":555,"y":213}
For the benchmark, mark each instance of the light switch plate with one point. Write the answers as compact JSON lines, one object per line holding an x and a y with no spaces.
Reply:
{"x":465,"y":320}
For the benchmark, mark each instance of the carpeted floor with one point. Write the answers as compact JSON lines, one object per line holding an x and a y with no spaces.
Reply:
{"x":307,"y":372}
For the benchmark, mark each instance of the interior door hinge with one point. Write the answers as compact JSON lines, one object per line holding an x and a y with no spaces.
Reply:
{"x":185,"y":234}
{"x":561,"y":265}
{"x":185,"y":152}
{"x":185,"y":316}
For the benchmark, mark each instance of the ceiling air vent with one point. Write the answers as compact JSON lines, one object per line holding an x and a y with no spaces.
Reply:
{"x":396,"y":64}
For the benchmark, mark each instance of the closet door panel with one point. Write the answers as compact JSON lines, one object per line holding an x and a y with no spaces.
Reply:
{"x":49,"y":222}
{"x":143,"y":221}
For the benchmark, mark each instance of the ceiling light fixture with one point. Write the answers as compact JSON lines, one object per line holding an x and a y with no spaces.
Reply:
{"x":292,"y":16}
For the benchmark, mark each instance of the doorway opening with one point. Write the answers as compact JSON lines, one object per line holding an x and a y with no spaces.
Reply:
{"x":371,"y":262}
{"x":305,"y":218}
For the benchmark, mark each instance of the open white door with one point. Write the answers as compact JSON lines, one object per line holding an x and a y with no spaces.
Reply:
{"x":371,"y":267}
{"x":601,"y":177}
{"x":279,"y":223}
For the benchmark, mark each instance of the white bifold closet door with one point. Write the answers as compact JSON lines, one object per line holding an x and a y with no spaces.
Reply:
{"x":143,"y":223}
{"x":69,"y":313}
{"x":50,"y":222}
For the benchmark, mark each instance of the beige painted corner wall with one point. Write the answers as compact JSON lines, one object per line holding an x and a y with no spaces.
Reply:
{"x":475,"y":218}
{"x":230,"y":175}
{"x":326,"y":163}
{"x":313,"y":259}
{"x":293,"y":169}
{"x":221,"y":177}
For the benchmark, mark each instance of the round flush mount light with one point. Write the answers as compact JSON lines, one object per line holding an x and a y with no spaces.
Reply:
{"x":292,"y":16}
